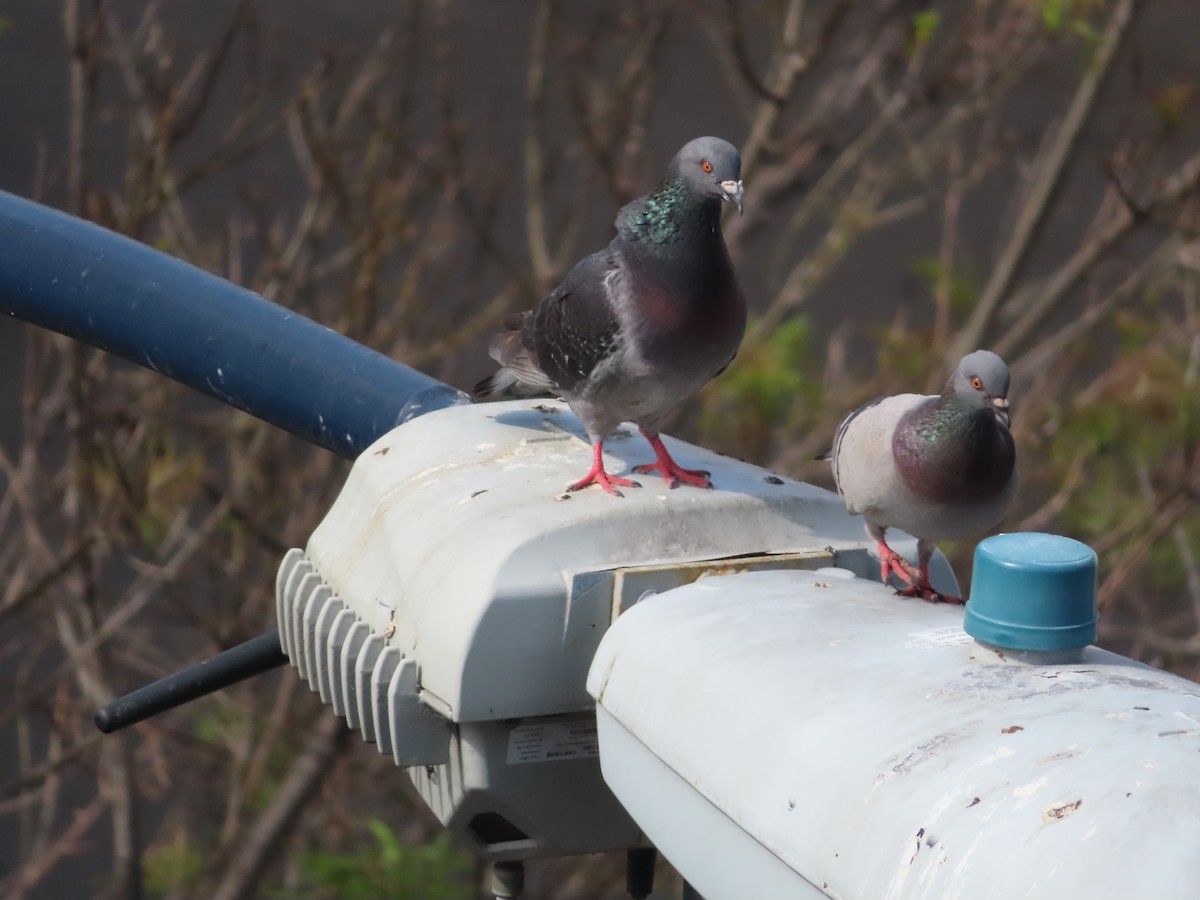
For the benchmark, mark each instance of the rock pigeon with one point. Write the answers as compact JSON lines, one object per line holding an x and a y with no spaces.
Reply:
{"x":637,"y":328}
{"x":937,"y":467}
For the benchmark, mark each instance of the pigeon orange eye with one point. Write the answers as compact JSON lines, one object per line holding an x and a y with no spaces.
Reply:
{"x":706,"y":166}
{"x":977,"y":383}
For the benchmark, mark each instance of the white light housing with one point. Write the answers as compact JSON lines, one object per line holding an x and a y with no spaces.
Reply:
{"x":809,"y":734}
{"x":450,"y":603}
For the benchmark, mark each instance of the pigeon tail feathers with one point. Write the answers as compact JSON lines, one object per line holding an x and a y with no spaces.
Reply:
{"x":519,"y":374}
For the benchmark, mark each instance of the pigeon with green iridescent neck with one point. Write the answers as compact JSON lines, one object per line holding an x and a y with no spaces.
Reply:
{"x":636,"y":329}
{"x":937,"y":467}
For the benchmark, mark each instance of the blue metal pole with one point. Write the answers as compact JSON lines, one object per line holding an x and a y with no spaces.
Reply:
{"x":122,"y":296}
{"x":114,"y":293}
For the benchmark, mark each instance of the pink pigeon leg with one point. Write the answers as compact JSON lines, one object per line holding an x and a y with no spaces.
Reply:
{"x":597,"y":475}
{"x":670,"y":470}
{"x":892,"y":562}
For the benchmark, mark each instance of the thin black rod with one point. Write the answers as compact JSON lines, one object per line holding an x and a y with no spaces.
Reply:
{"x":255,"y":656}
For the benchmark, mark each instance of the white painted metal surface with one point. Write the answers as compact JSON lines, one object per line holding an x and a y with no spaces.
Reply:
{"x":450,"y":603}
{"x":453,"y":540}
{"x":791,"y":734}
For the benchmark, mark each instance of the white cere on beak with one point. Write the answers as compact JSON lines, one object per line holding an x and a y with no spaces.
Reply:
{"x":732,"y":192}
{"x":1001,"y":405}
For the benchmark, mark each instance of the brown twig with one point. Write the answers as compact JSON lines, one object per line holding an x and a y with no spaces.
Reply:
{"x":1044,"y":183}
{"x":241,"y":876}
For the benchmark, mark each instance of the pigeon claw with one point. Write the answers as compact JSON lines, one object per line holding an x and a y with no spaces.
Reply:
{"x":673,"y":474}
{"x":671,"y":471}
{"x":926,"y":592}
{"x":610,"y":483}
{"x":919,"y":584}
{"x":891,"y":562}
{"x":597,"y":475}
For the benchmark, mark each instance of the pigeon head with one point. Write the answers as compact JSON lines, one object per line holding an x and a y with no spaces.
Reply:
{"x":981,"y":379}
{"x":710,"y":167}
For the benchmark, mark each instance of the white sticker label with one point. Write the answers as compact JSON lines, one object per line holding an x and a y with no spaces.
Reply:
{"x":550,"y":741}
{"x":950,"y":636}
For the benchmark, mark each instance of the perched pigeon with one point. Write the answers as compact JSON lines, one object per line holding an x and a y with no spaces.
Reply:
{"x":637,"y":328}
{"x":936,"y":467}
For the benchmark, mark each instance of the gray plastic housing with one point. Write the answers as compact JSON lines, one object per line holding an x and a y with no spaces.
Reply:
{"x":810,"y":734}
{"x":451,"y":601}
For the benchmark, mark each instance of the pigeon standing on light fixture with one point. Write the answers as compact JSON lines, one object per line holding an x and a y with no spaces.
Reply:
{"x":636,"y":329}
{"x":937,"y":467}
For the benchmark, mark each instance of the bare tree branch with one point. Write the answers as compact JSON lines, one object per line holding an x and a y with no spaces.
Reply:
{"x":1046,"y":179}
{"x":242,"y":875}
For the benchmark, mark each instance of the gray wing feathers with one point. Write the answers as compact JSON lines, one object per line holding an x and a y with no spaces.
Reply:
{"x":863,"y":465}
{"x":559,"y":344}
{"x":575,"y":328}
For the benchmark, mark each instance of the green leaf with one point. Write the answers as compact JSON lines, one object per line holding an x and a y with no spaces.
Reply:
{"x":171,"y":867}
{"x":1052,"y":15}
{"x":386,"y":867}
{"x":964,"y":284}
{"x":925,"y":24}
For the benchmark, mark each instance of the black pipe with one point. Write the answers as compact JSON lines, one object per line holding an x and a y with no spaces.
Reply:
{"x":639,"y":871}
{"x":255,"y":656}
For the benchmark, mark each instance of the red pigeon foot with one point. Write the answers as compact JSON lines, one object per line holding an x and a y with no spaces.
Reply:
{"x":597,"y":475}
{"x":924,"y":589}
{"x":891,"y":562}
{"x":926,"y":592}
{"x":671,"y":471}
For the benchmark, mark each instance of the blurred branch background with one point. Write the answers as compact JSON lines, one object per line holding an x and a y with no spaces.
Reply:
{"x":921,"y":178}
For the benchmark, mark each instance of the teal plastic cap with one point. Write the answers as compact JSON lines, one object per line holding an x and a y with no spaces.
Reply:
{"x":1032,"y":591}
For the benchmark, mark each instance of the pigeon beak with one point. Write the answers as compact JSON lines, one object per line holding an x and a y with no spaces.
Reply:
{"x":731,"y":192}
{"x":1001,"y":405}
